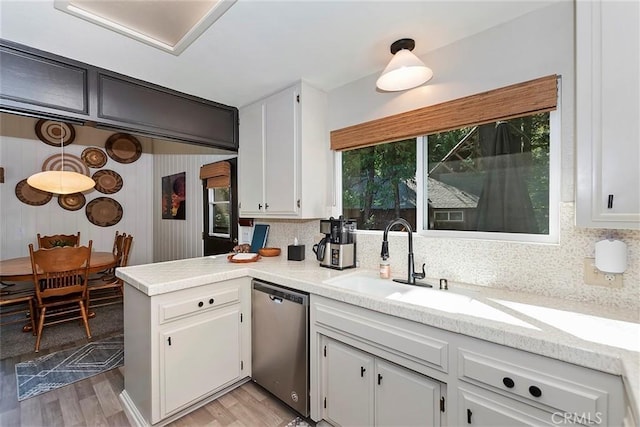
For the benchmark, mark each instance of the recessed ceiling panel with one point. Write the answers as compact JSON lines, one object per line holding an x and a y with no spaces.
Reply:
{"x":168,"y":25}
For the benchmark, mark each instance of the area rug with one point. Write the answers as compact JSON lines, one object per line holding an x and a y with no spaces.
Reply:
{"x":65,"y":367}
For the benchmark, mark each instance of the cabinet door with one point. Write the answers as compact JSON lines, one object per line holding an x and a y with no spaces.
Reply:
{"x":607,"y":111}
{"x":39,"y":82}
{"x":281,"y":153}
{"x":349,"y":386}
{"x":405,"y":398}
{"x":487,"y":409}
{"x":130,"y":103}
{"x":251,"y":160}
{"x":198,"y":358}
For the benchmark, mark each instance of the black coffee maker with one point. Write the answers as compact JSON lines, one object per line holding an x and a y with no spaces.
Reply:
{"x":337,"y":249}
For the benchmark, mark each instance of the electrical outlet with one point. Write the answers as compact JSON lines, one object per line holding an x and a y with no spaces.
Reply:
{"x":595,"y":277}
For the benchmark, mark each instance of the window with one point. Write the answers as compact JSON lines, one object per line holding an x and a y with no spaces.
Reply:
{"x":219,"y":217}
{"x":379,"y":184}
{"x":491,"y":178}
{"x":485,"y":166}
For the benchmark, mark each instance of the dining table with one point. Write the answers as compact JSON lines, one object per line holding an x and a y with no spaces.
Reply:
{"x":19,"y":270}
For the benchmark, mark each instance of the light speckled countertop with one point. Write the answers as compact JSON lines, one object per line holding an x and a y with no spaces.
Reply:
{"x":597,"y":337}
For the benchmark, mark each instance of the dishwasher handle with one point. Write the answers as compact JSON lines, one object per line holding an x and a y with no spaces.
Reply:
{"x":281,"y":293}
{"x":275,"y":299}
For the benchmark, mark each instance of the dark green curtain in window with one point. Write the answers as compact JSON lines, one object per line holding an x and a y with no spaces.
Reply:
{"x":504,"y":203}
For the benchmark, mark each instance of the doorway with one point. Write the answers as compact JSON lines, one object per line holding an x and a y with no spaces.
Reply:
{"x":220,"y":195}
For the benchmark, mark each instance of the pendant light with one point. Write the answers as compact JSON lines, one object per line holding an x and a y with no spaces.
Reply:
{"x":405,"y":70}
{"x":61,"y":181}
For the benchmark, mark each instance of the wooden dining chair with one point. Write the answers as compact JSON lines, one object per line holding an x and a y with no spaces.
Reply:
{"x":17,"y":306}
{"x":60,"y":277}
{"x":104,"y":292}
{"x":109,"y":274}
{"x":58,"y":240}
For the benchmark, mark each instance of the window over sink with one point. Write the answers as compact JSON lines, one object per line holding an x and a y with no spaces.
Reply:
{"x":495,"y":180}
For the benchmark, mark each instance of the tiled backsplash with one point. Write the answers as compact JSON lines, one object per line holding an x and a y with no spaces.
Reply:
{"x":554,"y":270}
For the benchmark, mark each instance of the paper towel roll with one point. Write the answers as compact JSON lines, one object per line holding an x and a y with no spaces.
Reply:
{"x":611,"y":256}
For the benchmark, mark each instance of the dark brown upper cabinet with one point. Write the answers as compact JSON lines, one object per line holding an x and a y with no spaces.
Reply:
{"x":41,"y":84}
{"x":34,"y":82}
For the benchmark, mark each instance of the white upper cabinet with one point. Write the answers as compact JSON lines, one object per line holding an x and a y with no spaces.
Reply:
{"x":608,"y":114}
{"x":282,"y":159}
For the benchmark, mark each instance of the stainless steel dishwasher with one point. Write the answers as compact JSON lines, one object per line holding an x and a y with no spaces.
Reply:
{"x":280,"y":343}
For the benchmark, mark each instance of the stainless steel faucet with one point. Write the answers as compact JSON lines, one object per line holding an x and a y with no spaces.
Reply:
{"x":384,"y":253}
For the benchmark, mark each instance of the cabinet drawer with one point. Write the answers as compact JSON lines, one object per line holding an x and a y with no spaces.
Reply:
{"x":393,"y":335}
{"x":534,"y":386}
{"x":198,"y":304}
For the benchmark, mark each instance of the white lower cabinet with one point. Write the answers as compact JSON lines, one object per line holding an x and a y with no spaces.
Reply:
{"x":364,"y":390}
{"x":184,"y":348}
{"x":504,"y":386}
{"x":374,"y":369}
{"x":482,"y":408}
{"x":188,"y":375}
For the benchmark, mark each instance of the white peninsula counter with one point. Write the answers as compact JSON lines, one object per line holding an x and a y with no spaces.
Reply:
{"x":188,"y":340}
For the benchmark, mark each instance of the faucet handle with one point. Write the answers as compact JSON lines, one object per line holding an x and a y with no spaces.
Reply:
{"x":420,"y":275}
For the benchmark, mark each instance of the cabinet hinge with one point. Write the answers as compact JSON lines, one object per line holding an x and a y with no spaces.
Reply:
{"x":325,"y":351}
{"x":241,"y":317}
{"x":298,"y":99}
{"x":298,"y":203}
{"x":203,"y":235}
{"x":442,"y":404}
{"x":325,"y":403}
{"x":241,"y":365}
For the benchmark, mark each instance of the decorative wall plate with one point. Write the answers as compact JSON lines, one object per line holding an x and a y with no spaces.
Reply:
{"x":94,"y":157}
{"x":31,"y":196}
{"x":107,"y":181}
{"x":123,"y":148}
{"x":51,"y":132}
{"x":104,"y":211}
{"x":72,"y":202}
{"x":71,"y":163}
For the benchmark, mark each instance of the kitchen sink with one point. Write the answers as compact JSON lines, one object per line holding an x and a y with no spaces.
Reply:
{"x":370,"y":284}
{"x":456,"y":300}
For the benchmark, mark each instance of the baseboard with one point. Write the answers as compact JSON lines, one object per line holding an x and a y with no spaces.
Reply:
{"x":131,"y":410}
{"x":136,"y":419}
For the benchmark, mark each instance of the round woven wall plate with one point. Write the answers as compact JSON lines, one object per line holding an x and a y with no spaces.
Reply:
{"x":107,"y":181}
{"x":71,"y":163}
{"x":72,"y":202}
{"x":104,"y":211}
{"x":52,"y":132}
{"x":31,"y":196}
{"x":123,"y":148}
{"x":94,"y":157}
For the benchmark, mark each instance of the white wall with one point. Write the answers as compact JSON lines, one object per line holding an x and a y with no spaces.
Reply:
{"x":535,"y":45}
{"x":155,"y":239}
{"x":22,"y":154}
{"x":178,"y":239}
{"x":538,"y":44}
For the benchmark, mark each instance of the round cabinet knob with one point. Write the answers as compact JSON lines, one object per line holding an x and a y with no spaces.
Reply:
{"x":508,"y":382}
{"x":535,"y":391}
{"x":200,"y":304}
{"x":211,"y":301}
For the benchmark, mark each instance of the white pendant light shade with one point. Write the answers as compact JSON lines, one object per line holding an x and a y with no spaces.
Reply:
{"x":405,"y":70}
{"x":61,"y":182}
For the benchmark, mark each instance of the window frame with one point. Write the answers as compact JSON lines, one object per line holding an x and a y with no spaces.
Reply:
{"x":555,"y":131}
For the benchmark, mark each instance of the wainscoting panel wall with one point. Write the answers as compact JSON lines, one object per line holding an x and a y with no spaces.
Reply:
{"x":174,"y":238}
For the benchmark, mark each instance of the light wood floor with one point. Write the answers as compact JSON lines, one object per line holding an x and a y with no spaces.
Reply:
{"x":94,"y":402}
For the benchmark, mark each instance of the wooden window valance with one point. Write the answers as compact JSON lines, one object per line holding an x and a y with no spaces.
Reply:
{"x":522,"y":99}
{"x":216,"y":174}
